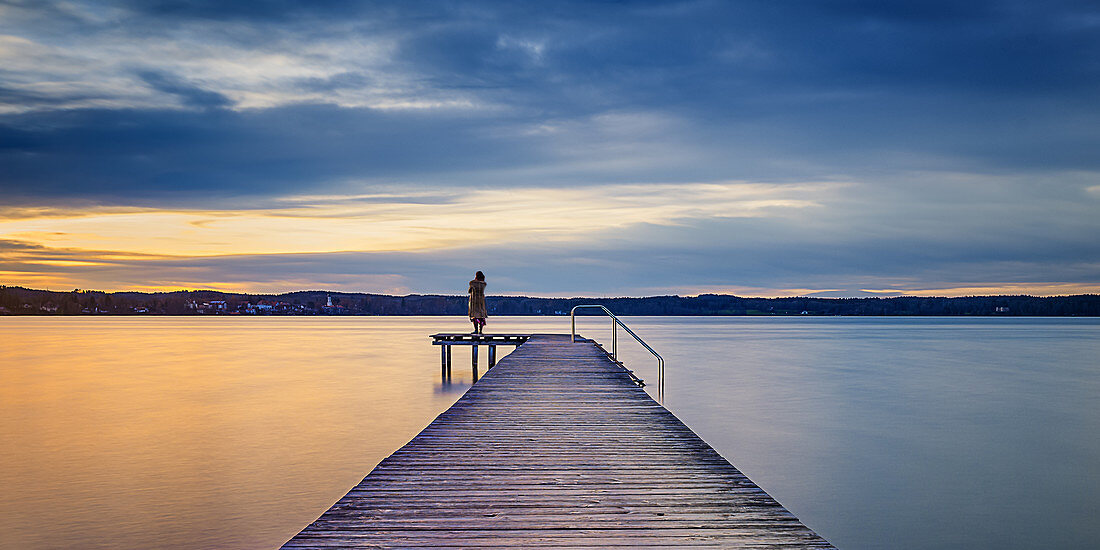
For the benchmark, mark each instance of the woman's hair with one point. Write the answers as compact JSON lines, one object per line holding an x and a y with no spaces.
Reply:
{"x":479,"y":276}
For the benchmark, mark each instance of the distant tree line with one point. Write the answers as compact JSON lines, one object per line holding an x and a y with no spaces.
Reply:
{"x":24,"y":301}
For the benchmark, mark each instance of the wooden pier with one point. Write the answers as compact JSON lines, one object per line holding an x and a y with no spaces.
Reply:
{"x":556,"y":446}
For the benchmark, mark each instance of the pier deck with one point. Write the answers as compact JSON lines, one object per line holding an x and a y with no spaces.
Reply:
{"x":556,"y":446}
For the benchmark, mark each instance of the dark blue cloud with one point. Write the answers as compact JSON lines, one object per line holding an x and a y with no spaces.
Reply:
{"x":335,"y":82}
{"x":30,"y":99}
{"x":124,"y":156}
{"x":247,"y":10}
{"x":754,"y":48}
{"x":189,"y":94}
{"x":831,"y":87}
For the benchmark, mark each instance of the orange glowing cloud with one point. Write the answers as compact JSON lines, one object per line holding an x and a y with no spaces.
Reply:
{"x":352,"y":223}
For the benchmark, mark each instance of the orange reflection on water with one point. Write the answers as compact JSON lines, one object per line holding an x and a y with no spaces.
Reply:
{"x":202,"y":432}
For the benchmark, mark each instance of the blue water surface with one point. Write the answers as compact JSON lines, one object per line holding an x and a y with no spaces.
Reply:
{"x":929,"y":433}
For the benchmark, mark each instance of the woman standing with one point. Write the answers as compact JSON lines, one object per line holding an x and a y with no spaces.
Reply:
{"x":478,"y":313}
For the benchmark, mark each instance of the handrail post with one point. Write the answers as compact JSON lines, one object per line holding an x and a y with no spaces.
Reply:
{"x":614,"y":338}
{"x":615,"y":322}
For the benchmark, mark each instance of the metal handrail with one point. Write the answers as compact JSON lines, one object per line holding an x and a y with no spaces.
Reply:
{"x":615,"y":323}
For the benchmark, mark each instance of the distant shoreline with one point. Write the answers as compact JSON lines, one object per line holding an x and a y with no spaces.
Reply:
{"x":16,"y":300}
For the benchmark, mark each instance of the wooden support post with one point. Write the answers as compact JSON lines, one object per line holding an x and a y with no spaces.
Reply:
{"x":473,"y":355}
{"x":443,"y":361}
{"x":492,"y":356}
{"x":448,"y":361}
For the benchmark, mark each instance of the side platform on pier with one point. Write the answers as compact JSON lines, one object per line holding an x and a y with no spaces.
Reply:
{"x":556,"y":446}
{"x":448,"y":339}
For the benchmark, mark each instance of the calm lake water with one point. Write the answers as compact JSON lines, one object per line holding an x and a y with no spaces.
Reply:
{"x":222,"y":432}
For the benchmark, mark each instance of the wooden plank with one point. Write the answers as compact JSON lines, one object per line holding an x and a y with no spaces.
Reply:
{"x":555,"y":446}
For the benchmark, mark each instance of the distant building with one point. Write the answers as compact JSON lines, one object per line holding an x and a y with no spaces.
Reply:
{"x":214,"y":306}
{"x":330,"y":309}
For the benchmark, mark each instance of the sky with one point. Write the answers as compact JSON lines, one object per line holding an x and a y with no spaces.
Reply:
{"x":758,"y":148}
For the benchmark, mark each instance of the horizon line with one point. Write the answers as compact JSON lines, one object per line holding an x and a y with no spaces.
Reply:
{"x":335,"y":292}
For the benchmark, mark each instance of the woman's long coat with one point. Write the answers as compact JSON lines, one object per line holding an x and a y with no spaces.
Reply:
{"x":477,"y":300}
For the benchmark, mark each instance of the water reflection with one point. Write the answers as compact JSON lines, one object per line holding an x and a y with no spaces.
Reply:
{"x":236,"y":433}
{"x":872,"y":429}
{"x":447,"y":362}
{"x":201,"y":432}
{"x":448,"y":387}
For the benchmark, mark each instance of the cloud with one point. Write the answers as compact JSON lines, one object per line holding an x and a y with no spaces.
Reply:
{"x":135,"y":156}
{"x":619,"y":267}
{"x":898,"y":88}
{"x":756,"y":239}
{"x":189,"y":94}
{"x":909,"y":146}
{"x":403,"y":221}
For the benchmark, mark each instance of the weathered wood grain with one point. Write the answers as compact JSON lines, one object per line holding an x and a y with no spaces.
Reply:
{"x":556,"y":446}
